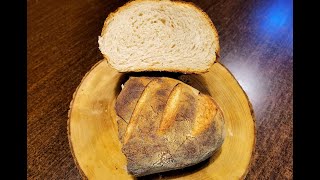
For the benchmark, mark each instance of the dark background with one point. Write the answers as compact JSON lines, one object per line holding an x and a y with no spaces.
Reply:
{"x":256,"y":39}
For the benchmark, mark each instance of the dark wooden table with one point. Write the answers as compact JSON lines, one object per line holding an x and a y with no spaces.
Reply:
{"x":256,"y":46}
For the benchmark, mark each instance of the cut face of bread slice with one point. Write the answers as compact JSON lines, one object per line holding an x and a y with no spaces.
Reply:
{"x":147,"y":35}
{"x":165,"y":124}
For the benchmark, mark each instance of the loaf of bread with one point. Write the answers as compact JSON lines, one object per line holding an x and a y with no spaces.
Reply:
{"x":165,"y":124}
{"x":159,"y":35}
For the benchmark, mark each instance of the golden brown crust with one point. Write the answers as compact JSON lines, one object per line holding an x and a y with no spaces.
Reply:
{"x":172,"y":125}
{"x":186,"y":71}
{"x":126,"y":104}
{"x":171,"y":110}
{"x":203,"y":119}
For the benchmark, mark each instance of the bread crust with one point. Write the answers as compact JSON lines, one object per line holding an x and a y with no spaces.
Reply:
{"x":183,"y":3}
{"x":193,"y":125}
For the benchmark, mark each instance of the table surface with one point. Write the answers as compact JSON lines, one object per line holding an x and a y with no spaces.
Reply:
{"x":256,"y":46}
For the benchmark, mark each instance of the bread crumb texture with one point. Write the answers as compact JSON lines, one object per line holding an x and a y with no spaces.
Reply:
{"x":147,"y":35}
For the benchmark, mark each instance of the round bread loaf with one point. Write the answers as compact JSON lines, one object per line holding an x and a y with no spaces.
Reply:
{"x":165,"y":124}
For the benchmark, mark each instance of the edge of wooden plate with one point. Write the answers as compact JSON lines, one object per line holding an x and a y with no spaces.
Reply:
{"x":95,"y":65}
{"x":254,"y":122}
{"x":83,"y":175}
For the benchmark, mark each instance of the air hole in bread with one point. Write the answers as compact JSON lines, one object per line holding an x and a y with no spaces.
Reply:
{"x":163,"y":21}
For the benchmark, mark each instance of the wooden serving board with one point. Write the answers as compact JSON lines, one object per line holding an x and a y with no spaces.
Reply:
{"x":93,"y":136}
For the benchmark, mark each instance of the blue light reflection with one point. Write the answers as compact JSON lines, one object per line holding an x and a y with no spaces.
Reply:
{"x":277,"y":16}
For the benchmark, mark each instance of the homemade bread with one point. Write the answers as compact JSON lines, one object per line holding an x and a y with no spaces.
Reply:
{"x":154,"y":35}
{"x":165,"y":124}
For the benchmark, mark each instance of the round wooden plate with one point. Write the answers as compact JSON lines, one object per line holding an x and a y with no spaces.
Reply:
{"x":93,"y":136}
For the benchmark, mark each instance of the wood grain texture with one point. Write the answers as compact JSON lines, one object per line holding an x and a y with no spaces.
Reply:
{"x":256,"y":46}
{"x":92,"y":129}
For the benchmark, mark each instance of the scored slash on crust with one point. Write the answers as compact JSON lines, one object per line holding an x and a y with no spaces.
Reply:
{"x":204,"y":113}
{"x":134,"y":117}
{"x":171,"y":109}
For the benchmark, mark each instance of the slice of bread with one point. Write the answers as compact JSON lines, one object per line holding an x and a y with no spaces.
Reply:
{"x":154,"y":35}
{"x":165,"y":124}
